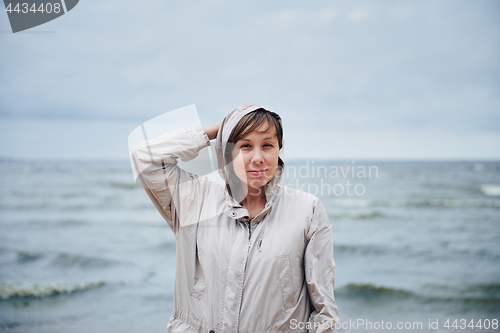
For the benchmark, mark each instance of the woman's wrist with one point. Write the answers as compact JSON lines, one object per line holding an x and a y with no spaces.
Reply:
{"x":212,"y":130}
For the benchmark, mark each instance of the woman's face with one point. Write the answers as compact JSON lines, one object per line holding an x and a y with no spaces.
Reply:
{"x":255,"y":156}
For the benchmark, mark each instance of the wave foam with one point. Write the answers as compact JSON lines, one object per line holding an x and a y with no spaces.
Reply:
{"x":44,"y":290}
{"x":491,"y":190}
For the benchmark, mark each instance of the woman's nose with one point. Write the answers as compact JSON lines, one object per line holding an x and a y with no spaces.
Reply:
{"x":257,"y":156}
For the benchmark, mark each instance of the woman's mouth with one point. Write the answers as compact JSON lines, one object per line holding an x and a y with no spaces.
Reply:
{"x":257,"y":173}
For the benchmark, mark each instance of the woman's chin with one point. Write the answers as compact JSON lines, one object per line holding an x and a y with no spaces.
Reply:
{"x":256,"y":187}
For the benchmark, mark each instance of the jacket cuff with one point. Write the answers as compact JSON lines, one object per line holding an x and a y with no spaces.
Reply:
{"x":199,"y":136}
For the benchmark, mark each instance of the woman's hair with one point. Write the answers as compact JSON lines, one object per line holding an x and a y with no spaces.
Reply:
{"x":254,"y":120}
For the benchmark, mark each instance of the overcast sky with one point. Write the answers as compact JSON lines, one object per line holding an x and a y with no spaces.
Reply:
{"x":351,"y":79}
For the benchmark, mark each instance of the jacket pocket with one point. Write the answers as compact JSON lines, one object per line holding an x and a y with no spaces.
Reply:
{"x":285,"y":278}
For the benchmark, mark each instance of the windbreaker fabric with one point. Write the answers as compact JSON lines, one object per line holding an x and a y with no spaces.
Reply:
{"x":274,"y":273}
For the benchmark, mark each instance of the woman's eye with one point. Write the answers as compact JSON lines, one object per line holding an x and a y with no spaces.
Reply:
{"x":245,"y":146}
{"x":268,"y":145}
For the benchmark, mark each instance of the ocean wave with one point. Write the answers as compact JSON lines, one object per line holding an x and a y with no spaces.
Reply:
{"x":366,"y":249}
{"x":25,"y":206}
{"x":125,"y":186}
{"x":430,"y":202}
{"x":60,"y":206}
{"x":70,"y":222}
{"x":355,"y":214}
{"x":487,"y":294}
{"x":65,"y":260}
{"x":482,"y":167}
{"x":28,"y":257}
{"x":372,"y":291}
{"x":435,"y":253}
{"x":15,"y":291}
{"x":478,"y":167}
{"x":467,"y":292}
{"x":491,"y":190}
{"x":54,"y":205}
{"x":449,"y":203}
{"x":352,"y":203}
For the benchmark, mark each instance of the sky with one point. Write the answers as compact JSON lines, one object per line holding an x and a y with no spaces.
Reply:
{"x":351,"y":79}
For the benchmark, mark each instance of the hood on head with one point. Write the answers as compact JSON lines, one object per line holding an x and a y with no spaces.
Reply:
{"x":225,"y":166}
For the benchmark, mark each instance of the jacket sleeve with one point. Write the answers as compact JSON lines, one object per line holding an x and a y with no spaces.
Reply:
{"x":320,"y":272}
{"x":173,"y":191}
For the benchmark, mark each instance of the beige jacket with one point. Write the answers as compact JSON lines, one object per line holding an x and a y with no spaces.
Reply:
{"x":272,"y":274}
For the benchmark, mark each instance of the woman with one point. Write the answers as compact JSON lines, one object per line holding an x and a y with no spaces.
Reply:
{"x":251,"y":256}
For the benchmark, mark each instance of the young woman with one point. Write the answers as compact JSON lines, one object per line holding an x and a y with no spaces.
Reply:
{"x":251,"y":256}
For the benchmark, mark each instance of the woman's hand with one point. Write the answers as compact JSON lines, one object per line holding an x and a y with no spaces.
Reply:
{"x":212,"y":131}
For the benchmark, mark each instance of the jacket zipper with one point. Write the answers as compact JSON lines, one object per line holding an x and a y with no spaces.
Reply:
{"x":249,"y":234}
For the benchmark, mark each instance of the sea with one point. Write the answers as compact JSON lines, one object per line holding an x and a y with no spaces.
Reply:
{"x":417,"y":246}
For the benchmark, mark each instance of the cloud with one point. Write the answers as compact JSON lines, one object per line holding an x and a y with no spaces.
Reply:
{"x":398,"y":66}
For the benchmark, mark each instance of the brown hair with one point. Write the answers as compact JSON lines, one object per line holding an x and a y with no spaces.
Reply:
{"x":254,"y":120}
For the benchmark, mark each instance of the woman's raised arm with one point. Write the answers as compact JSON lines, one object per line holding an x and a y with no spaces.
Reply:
{"x":173,"y":191}
{"x":212,"y":131}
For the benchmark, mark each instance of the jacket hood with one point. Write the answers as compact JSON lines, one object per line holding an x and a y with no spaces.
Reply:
{"x":225,"y":166}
